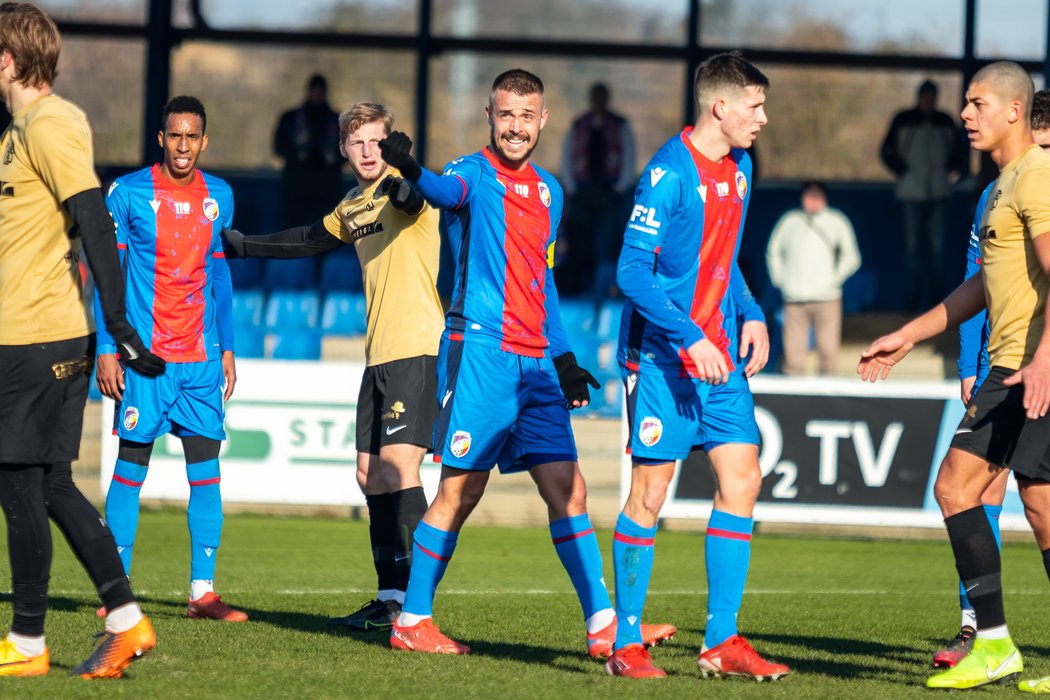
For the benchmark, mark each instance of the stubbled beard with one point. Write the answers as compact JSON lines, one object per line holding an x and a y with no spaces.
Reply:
{"x":498,"y":150}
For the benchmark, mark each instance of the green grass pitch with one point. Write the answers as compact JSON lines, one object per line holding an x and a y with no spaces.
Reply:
{"x":853,"y":618}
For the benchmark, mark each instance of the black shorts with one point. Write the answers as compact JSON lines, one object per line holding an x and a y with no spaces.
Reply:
{"x":398,"y":404}
{"x":43,"y":388}
{"x":995,"y":428}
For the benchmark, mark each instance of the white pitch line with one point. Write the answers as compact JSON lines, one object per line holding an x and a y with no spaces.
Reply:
{"x":299,"y":592}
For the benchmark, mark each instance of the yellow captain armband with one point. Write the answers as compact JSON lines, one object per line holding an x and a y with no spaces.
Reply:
{"x":550,"y":256}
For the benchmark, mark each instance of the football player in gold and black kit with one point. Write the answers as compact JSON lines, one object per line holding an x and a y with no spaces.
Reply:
{"x":395,"y":234}
{"x":1006,"y":424}
{"x":50,"y":201}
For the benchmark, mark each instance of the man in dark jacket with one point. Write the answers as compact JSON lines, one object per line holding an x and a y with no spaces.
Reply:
{"x":924,"y":150}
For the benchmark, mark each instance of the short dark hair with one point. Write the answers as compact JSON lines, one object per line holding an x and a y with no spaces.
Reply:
{"x":184,"y":104}
{"x":928,"y":86}
{"x":518,"y":81}
{"x":1041,"y":110}
{"x":317,"y":81}
{"x":725,"y":70}
{"x":815,"y":185}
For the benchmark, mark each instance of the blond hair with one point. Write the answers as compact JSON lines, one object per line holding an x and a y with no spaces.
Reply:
{"x":364,"y":113}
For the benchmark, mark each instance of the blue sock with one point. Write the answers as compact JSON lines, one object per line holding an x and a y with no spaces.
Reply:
{"x":633,"y":563}
{"x":431,"y":551}
{"x":204,"y":518}
{"x":577,"y":548}
{"x":727,"y":552}
{"x":122,"y":507}
{"x":993,"y":513}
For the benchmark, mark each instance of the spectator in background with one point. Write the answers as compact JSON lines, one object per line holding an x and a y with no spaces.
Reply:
{"x":811,"y":252}
{"x":598,"y":173}
{"x":307,"y":139}
{"x":925,"y":151}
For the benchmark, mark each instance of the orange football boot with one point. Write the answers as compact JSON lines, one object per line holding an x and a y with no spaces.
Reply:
{"x":116,"y":650}
{"x":425,"y":637}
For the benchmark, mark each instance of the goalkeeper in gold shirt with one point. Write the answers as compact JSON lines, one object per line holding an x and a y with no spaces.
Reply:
{"x":396,"y":237}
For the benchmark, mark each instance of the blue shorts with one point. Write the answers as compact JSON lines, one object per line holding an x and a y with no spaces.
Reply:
{"x":185,"y":400}
{"x":669,"y":415}
{"x":499,"y":408}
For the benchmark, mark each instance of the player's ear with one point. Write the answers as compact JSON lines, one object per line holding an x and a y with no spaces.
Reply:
{"x":204,"y":143}
{"x":543,"y":117}
{"x":719,"y":108}
{"x":488,"y":114}
{"x":160,"y":138}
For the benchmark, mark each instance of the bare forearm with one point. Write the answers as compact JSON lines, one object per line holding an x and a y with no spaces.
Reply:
{"x":967,"y":300}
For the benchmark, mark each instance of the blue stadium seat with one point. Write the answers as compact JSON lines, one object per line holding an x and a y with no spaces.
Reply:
{"x":859,"y":292}
{"x":291,"y":311}
{"x":248,"y":308}
{"x":344,"y":313}
{"x":609,"y":320}
{"x":249,"y":342}
{"x":293,"y":275}
{"x":301,"y":344}
{"x":577,"y":315}
{"x":247,"y":273}
{"x":341,"y":271}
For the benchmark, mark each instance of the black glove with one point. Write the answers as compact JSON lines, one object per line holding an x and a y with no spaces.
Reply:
{"x":402,"y":195}
{"x":134,"y":353}
{"x":396,"y":152}
{"x":233,"y":243}
{"x":574,"y":380}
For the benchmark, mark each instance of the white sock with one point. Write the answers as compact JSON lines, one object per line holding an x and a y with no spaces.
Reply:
{"x":123,"y":618}
{"x":600,"y":620}
{"x":390,"y":594}
{"x":999,"y":632}
{"x":969,"y":618}
{"x":27,"y":646}
{"x":409,"y":620}
{"x":200,"y":586}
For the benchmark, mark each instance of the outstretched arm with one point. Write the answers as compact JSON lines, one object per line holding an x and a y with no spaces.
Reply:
{"x":298,"y":242}
{"x":882,"y":355}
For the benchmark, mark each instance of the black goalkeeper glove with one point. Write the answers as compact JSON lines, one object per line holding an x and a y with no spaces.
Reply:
{"x":233,"y":243}
{"x":396,"y":152}
{"x":134,"y":353}
{"x":402,"y":195}
{"x":574,"y":380}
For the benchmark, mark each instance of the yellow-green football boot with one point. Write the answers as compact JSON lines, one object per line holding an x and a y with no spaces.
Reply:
{"x":991,"y":661}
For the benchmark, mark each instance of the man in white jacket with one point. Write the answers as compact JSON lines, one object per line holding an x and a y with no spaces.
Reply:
{"x":811,"y":252}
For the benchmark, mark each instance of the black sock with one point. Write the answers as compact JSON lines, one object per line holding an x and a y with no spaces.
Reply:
{"x":1046,"y":561}
{"x":88,"y":536}
{"x":409,"y":506}
{"x":382,"y":526}
{"x":979,"y":565}
{"x":28,"y":544}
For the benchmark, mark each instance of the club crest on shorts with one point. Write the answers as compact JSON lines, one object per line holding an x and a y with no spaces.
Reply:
{"x":651,"y":431}
{"x":211,"y":209}
{"x":460,"y":444}
{"x":131,"y":418}
{"x":545,"y":194}
{"x":741,"y":184}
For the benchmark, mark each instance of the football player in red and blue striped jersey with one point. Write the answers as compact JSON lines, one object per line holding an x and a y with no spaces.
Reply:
{"x":169,"y":219}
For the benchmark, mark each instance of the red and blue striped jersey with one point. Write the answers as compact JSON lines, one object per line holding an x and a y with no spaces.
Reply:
{"x":688,"y":214}
{"x":179,"y":292}
{"x":501,"y":225}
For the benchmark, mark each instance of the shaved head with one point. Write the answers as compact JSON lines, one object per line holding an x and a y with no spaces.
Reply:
{"x":1009,"y":82}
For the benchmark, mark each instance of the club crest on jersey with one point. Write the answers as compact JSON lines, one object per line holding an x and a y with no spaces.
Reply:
{"x":651,"y":431}
{"x":460,"y":444}
{"x":131,"y":418}
{"x":211,"y":209}
{"x":545,"y":194}
{"x":741,"y":184}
